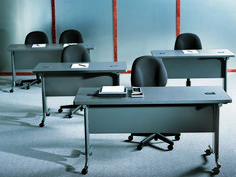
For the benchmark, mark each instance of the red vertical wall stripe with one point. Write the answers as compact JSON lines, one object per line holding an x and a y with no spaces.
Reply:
{"x":115,"y":30}
{"x":178,"y":10}
{"x":54,"y":32}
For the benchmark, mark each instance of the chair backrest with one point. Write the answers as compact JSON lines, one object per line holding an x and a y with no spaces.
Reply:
{"x":36,"y":37}
{"x":188,"y":41}
{"x":71,"y":36}
{"x":148,"y":71}
{"x":75,"y":53}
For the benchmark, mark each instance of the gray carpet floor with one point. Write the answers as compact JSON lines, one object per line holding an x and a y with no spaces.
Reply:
{"x":57,"y":150}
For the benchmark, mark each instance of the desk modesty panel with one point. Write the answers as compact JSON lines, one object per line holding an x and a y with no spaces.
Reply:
{"x":188,"y":108}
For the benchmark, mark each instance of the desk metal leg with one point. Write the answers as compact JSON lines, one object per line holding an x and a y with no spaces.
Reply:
{"x":216,"y":170}
{"x":75,"y":110}
{"x":215,"y":149}
{"x":44,"y":102}
{"x":13,"y":72}
{"x":87,"y":143}
{"x":224,"y":69}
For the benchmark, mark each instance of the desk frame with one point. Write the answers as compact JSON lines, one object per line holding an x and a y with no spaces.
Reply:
{"x":53,"y":52}
{"x":62,"y":71}
{"x":199,"y":116}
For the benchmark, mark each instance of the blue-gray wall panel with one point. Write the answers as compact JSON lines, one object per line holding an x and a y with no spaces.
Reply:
{"x":17,"y":19}
{"x":93,"y":19}
{"x":213,"y":20}
{"x":144,"y":26}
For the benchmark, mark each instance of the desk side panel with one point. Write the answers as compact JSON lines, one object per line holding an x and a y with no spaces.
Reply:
{"x":166,"y":119}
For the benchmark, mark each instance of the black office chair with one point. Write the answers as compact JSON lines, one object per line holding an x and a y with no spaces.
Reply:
{"x":73,"y":54}
{"x":71,"y":36}
{"x":188,"y":41}
{"x":148,"y":71}
{"x":34,"y":37}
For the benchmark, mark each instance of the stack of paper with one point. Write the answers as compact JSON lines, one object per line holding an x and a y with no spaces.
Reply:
{"x":79,"y":65}
{"x":113,"y":89}
{"x":67,"y":44}
{"x":38,"y":45}
{"x":190,"y":51}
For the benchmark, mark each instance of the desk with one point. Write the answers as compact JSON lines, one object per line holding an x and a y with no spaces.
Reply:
{"x":58,"y":79}
{"x":190,"y":109}
{"x":204,"y":64}
{"x":25,"y":57}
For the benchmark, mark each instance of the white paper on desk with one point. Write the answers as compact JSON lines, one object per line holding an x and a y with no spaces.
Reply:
{"x":190,"y":51}
{"x":67,"y":44}
{"x":38,"y":45}
{"x":80,"y":65}
{"x":113,"y":89}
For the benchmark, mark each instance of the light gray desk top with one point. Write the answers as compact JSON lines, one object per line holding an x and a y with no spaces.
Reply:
{"x":23,"y":47}
{"x":157,"y":96}
{"x":211,"y":53}
{"x":94,"y":67}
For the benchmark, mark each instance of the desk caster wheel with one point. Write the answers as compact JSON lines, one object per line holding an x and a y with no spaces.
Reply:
{"x":170,"y":147}
{"x":11,"y":91}
{"x":177,"y":137}
{"x":216,"y":170}
{"x":130,"y":138}
{"x":41,"y":124}
{"x":139,"y":147}
{"x":60,"y":110}
{"x":28,"y":87}
{"x":85,"y":171}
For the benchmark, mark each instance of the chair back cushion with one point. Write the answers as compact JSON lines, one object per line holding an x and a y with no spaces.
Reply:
{"x":148,"y":71}
{"x":71,"y":36}
{"x":188,"y":41}
{"x":36,"y":37}
{"x":75,"y":53}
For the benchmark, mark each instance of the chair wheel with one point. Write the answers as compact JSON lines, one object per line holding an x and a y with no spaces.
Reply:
{"x":156,"y":138}
{"x":60,"y":110}
{"x":48,"y":114}
{"x":130,"y":138}
{"x":28,"y":87}
{"x":139,"y":147}
{"x":41,"y":124}
{"x":170,"y":147}
{"x":208,"y":152}
{"x":69,"y":116}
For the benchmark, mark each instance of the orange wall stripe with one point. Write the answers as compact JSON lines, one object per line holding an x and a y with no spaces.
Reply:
{"x":54,"y":34}
{"x":178,"y":10}
{"x":115,"y":31}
